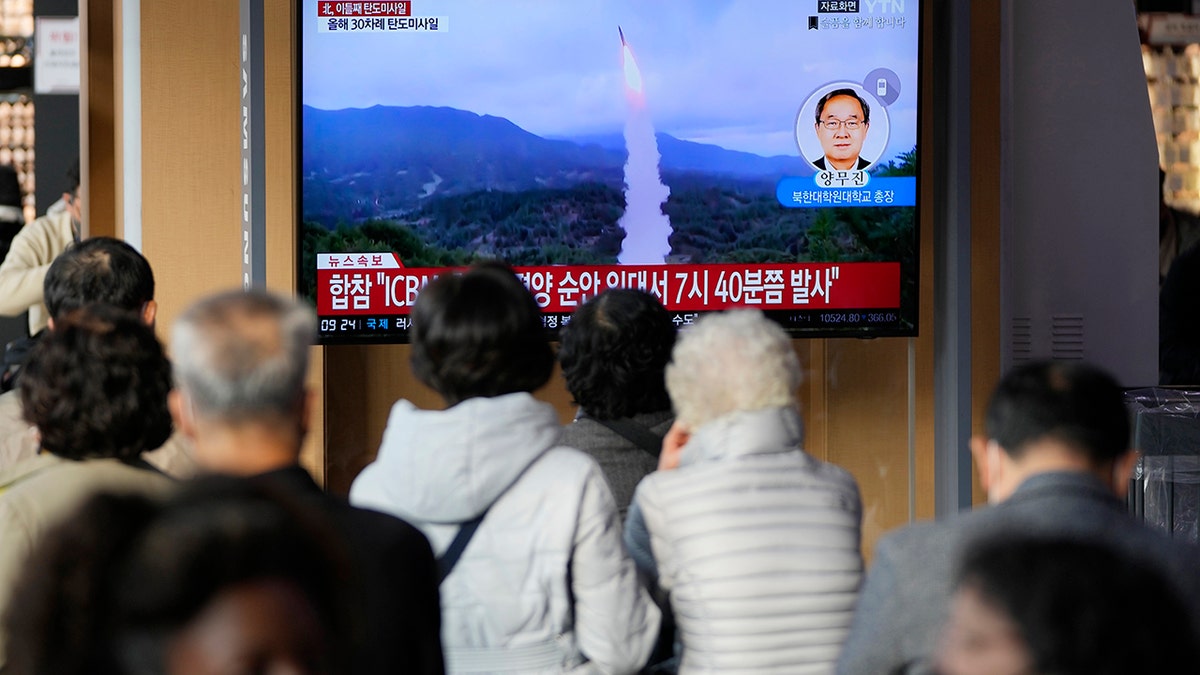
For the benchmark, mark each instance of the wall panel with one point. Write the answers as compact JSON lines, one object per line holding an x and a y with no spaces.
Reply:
{"x":98,"y":98}
{"x":190,"y":151}
{"x":191,"y":120}
{"x":985,"y":212}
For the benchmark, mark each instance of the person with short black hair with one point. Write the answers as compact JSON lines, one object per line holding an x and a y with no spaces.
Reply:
{"x":96,"y":388}
{"x":613,"y":353}
{"x":1055,"y":462}
{"x":99,"y":270}
{"x":33,"y":249}
{"x":240,"y":372}
{"x":1064,"y":607}
{"x":226,"y":576}
{"x":479,"y":335}
{"x":542,"y":583}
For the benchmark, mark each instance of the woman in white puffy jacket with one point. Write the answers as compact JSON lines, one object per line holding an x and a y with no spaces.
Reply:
{"x":544,"y":585}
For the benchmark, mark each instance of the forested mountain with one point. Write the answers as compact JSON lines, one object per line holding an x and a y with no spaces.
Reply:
{"x":382,"y":162}
{"x":445,"y":187}
{"x":680,"y":155}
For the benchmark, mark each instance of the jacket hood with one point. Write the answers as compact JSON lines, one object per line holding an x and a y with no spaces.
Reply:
{"x":754,"y":432}
{"x":448,"y":466}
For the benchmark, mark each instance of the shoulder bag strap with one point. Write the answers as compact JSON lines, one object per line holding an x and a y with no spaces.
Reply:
{"x":634,"y":433}
{"x":140,"y":462}
{"x":449,"y":559}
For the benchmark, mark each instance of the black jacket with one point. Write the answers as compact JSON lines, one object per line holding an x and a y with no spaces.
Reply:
{"x":394,"y":580}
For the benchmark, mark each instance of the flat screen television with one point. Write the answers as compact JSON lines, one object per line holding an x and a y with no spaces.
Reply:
{"x":724,"y":153}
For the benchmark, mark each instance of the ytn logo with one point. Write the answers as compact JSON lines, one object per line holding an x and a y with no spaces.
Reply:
{"x":884,"y":6}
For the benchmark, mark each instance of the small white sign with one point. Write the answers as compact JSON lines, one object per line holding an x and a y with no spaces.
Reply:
{"x":1172,"y":29}
{"x":56,"y":55}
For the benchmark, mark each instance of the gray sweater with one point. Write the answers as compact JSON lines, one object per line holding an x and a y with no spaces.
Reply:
{"x":623,"y":463}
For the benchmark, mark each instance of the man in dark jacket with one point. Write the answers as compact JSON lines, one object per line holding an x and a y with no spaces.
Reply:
{"x":240,"y":372}
{"x":1056,"y":464}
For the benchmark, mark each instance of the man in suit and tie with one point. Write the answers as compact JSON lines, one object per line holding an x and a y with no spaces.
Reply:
{"x":842,"y":121}
{"x":1055,"y":463}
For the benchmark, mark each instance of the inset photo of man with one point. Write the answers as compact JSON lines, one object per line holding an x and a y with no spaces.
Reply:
{"x":841,"y":138}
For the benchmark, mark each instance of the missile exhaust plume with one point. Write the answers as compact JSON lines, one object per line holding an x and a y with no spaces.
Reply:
{"x":647,"y":228}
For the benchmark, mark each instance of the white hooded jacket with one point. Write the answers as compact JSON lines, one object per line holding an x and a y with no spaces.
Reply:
{"x":545,"y":584}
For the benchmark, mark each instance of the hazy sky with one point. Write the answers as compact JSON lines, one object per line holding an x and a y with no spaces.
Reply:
{"x":728,"y":72}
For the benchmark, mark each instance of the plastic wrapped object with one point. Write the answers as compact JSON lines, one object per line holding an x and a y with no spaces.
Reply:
{"x":1165,"y":489}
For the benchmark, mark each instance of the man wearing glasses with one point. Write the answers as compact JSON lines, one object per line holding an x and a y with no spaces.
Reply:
{"x":842,"y":121}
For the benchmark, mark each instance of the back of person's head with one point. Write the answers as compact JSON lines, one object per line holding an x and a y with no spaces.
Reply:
{"x":1078,"y":608}
{"x":99,"y":270}
{"x":1073,"y":403}
{"x":56,"y":619}
{"x":130,"y":585}
{"x":614,"y":351}
{"x":243,"y":355}
{"x":96,"y":386}
{"x":732,"y":361}
{"x":222,"y":537}
{"x":479,"y":334}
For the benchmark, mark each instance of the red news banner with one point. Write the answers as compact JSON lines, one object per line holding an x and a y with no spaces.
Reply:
{"x":378,"y":283}
{"x":346,"y":8}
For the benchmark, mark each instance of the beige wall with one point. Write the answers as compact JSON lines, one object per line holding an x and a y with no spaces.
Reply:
{"x":857,"y":394}
{"x":190,"y":149}
{"x":191,"y":158}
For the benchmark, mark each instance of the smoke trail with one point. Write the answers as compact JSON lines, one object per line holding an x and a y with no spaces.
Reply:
{"x":646,"y":227}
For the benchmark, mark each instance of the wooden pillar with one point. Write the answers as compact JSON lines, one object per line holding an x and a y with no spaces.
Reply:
{"x":97,"y":102}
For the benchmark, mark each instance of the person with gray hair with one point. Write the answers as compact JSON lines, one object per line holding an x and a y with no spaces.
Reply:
{"x":242,"y":360}
{"x":244,"y":357}
{"x":752,"y":542}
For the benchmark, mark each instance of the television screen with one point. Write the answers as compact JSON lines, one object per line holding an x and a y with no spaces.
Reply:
{"x":723,"y":153}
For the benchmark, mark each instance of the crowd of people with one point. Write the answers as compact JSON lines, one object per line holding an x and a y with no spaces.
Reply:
{"x":154,"y":516}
